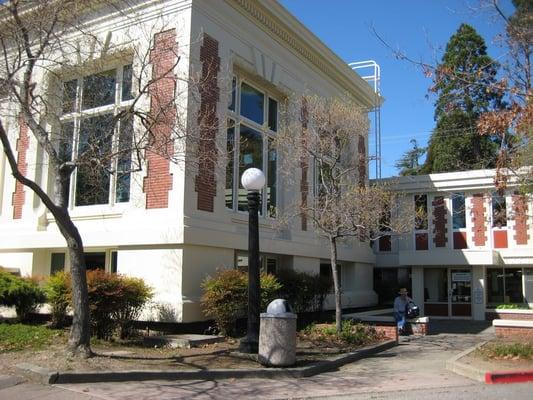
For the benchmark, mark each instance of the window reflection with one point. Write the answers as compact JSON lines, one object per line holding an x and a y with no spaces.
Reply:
{"x":99,"y":89}
{"x":252,"y":101}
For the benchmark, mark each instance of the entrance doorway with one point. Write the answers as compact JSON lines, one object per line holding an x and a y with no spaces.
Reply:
{"x":448,"y":292}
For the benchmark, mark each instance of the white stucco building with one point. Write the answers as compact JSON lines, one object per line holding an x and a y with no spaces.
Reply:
{"x":471,"y":252}
{"x":167,"y":224}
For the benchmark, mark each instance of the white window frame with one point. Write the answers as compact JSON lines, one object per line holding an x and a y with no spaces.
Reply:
{"x":76,"y":116}
{"x":266,"y":134}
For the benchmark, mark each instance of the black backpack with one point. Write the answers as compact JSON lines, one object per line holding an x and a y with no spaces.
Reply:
{"x":412,"y":310}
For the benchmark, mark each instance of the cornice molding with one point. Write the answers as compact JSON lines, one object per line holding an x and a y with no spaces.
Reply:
{"x":305,"y":44}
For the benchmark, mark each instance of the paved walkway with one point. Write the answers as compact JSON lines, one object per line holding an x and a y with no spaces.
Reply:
{"x":416,"y":364}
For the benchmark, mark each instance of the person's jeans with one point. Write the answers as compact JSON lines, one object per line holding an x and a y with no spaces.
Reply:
{"x":400,"y":320}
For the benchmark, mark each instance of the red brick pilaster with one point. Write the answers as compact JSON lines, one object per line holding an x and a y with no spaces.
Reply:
{"x":158,"y":180}
{"x":304,"y":165}
{"x":23,"y":143}
{"x":521,"y":227}
{"x":206,"y":185}
{"x":478,"y":220}
{"x":361,"y":150}
{"x":440,"y":237}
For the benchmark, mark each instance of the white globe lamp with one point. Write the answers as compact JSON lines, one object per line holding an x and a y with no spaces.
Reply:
{"x":253,"y":179}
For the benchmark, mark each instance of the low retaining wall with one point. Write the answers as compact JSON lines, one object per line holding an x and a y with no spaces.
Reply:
{"x":513,"y":329}
{"x":387,"y":324}
{"x":526,"y":315}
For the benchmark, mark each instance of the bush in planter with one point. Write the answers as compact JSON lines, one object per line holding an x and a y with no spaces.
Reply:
{"x":58,"y":297}
{"x":512,"y":306}
{"x":22,"y":293}
{"x":225,"y":296}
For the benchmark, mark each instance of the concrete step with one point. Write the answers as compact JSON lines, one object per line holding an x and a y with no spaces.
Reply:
{"x":185,"y":341}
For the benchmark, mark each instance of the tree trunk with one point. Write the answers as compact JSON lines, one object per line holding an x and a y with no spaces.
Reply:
{"x":336,"y":283}
{"x":80,"y":335}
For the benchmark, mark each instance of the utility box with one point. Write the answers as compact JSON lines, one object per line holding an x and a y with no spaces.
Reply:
{"x":277,"y":335}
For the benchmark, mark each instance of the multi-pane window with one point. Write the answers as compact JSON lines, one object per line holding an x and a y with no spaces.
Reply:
{"x":251,"y":129}
{"x":91,"y":135}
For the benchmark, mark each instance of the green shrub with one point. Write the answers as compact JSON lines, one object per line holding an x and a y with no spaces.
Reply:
{"x":22,"y":293}
{"x":58,"y":297}
{"x":225,"y":297}
{"x":512,"y":306}
{"x":135,"y":294}
{"x":303,"y":291}
{"x":114,"y":300}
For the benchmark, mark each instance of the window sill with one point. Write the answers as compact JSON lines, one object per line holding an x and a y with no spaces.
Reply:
{"x":86,"y":213}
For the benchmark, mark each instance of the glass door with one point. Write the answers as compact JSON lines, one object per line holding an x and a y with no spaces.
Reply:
{"x":460,"y":292}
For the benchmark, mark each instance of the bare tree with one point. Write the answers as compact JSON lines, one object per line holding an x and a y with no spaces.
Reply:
{"x":83,"y":98}
{"x":343,"y":207}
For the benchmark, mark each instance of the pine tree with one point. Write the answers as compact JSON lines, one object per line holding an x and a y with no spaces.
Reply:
{"x":464,"y":82}
{"x":409,"y":163}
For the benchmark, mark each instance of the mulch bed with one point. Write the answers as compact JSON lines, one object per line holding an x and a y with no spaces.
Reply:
{"x":132,"y":356}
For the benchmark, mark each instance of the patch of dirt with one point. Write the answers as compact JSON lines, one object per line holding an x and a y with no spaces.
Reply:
{"x":479,"y":360}
{"x":132,"y":356}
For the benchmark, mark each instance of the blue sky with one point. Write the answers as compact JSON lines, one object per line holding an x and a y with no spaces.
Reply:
{"x":419,"y":28}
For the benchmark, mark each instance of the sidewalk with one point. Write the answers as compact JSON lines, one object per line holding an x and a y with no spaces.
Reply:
{"x":418,"y":363}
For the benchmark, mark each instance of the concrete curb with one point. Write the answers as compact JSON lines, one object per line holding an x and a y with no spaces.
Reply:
{"x":46,"y":376}
{"x":454,"y":365}
{"x":508,"y":376}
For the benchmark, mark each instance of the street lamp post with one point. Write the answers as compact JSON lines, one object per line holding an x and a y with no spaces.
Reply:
{"x":253,"y":180}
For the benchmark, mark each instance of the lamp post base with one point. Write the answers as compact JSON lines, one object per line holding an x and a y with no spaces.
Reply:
{"x":249,"y":345}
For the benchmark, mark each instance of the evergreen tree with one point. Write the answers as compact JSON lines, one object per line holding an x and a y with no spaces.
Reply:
{"x":409,"y":163}
{"x":464,"y":82}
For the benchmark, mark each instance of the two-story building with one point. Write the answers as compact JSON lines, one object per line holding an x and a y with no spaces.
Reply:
{"x":471,"y":248}
{"x":168,"y":224}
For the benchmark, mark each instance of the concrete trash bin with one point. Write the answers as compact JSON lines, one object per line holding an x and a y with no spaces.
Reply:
{"x":277,"y":335}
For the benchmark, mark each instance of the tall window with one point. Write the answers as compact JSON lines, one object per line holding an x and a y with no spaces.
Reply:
{"x":459,"y":211}
{"x":90,"y":134}
{"x":421,"y":222}
{"x":252,"y":126}
{"x":499,"y":211}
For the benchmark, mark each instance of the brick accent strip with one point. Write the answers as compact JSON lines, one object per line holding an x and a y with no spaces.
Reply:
{"x":440,"y":237}
{"x":521,"y":227}
{"x":23,"y":143}
{"x":304,"y":165}
{"x":361,"y":150}
{"x":478,"y":220}
{"x":205,"y":184}
{"x":158,"y":180}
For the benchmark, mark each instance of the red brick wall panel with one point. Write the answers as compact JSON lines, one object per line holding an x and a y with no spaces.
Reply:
{"x":489,"y":316}
{"x":520,"y":208}
{"x":514,"y":333}
{"x":158,"y":180}
{"x":23,"y":143}
{"x":361,"y":150}
{"x":478,"y":220}
{"x":304,"y":183}
{"x":206,"y":183}
{"x":440,"y":237}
